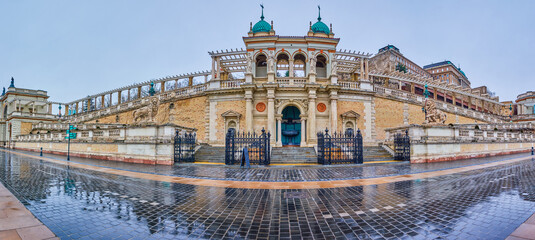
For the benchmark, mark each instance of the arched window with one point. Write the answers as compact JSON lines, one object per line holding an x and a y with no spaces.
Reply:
{"x":299,"y":65}
{"x":283,"y":65}
{"x":261,"y":66}
{"x":5,"y":112}
{"x":321,"y":66}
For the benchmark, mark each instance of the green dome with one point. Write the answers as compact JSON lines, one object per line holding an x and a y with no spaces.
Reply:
{"x":261,"y":26}
{"x":320,"y":27}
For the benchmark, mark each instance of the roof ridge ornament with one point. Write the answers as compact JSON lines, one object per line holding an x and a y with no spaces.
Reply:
{"x":262,"y":6}
{"x":319,"y":13}
{"x":12,"y":85}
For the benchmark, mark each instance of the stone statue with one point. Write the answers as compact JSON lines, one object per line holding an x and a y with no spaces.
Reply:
{"x":249,"y":63}
{"x":313,"y":61}
{"x":271,"y":62}
{"x":433,"y":115}
{"x":334,"y":67}
{"x":148,"y":113}
{"x":382,"y":64}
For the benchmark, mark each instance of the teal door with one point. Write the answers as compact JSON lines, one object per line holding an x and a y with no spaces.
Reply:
{"x":291,"y":126}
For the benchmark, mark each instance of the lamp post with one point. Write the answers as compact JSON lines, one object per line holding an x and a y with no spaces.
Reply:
{"x":70,"y":135}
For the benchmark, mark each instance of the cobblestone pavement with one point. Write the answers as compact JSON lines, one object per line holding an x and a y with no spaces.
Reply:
{"x":81,"y":204}
{"x":285,"y":174}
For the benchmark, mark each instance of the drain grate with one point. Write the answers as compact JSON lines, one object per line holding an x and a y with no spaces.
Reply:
{"x":300,"y":195}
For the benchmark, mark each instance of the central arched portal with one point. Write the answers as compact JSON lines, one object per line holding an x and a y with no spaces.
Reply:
{"x":291,"y":126}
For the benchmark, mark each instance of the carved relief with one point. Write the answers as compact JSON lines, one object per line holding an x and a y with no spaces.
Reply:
{"x":321,"y":107}
{"x":271,"y":61}
{"x":303,"y":103}
{"x":249,"y":63}
{"x":313,"y":61}
{"x":261,"y":107}
{"x":146,"y":114}
{"x":433,"y":115}
{"x":382,"y":64}
{"x":334,"y":67}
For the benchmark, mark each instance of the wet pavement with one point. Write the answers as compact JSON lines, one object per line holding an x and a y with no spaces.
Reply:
{"x":286,"y":173}
{"x":76,"y":203}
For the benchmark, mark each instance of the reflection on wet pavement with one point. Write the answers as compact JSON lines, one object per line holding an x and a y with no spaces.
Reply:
{"x":285,"y":174}
{"x":81,"y":204}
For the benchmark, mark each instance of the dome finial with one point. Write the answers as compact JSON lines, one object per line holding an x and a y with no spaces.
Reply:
{"x":319,"y":13}
{"x":262,"y":17}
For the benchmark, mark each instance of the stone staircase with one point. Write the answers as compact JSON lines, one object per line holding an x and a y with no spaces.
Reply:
{"x":293,"y":155}
{"x":210,"y":154}
{"x":376,"y":153}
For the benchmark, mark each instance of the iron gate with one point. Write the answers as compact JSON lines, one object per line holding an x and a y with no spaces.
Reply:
{"x":184,"y":147}
{"x":402,"y":146}
{"x":339,"y":148}
{"x":258,"y":147}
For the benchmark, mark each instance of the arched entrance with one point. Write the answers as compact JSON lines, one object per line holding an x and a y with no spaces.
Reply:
{"x":291,"y":126}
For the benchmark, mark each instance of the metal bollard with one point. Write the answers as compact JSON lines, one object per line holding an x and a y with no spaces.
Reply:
{"x":41,"y":152}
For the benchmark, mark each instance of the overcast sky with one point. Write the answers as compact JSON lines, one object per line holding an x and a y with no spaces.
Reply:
{"x":77,"y":48}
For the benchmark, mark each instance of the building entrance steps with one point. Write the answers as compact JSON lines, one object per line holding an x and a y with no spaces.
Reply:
{"x":210,"y":154}
{"x":376,"y":153}
{"x":293,"y":155}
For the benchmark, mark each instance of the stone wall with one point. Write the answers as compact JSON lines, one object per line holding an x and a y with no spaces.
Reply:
{"x":184,"y":112}
{"x":434,"y":143}
{"x":148,"y":144}
{"x":25,"y":127}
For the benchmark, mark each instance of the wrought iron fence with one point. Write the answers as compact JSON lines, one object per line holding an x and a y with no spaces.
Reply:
{"x":184,"y":147}
{"x":339,"y":148}
{"x":258,"y":147}
{"x":402,"y":146}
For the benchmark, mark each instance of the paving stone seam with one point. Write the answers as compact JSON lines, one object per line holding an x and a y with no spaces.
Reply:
{"x":276,"y":185}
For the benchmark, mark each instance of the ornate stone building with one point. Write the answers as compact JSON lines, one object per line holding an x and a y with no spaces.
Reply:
{"x":21,"y":108}
{"x":292,"y":86}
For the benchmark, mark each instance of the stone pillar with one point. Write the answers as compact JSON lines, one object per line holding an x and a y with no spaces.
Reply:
{"x":213,"y":70}
{"x":453,"y":99}
{"x":102,"y":99}
{"x":311,"y":114}
{"x":291,"y":68}
{"x":334,"y":111}
{"x":118,"y":97}
{"x":88,"y":104}
{"x":412,"y":88}
{"x":50,"y":108}
{"x":303,"y":129}
{"x":279,"y":131}
{"x":139,"y":92}
{"x":190,"y":81}
{"x":66,"y":109}
{"x":271,"y":112}
{"x":162,"y":86}
{"x":367,"y":68}
{"x":361,"y":69}
{"x":435,"y":93}
{"x":129,"y":90}
{"x":249,"y":110}
{"x":218,"y":65}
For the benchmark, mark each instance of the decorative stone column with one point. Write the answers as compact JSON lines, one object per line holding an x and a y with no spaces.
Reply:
{"x":279,"y":130}
{"x":311,"y":113}
{"x":291,"y":68}
{"x":271,"y":110}
{"x":303,"y":130}
{"x":249,"y":107}
{"x":334,"y":110}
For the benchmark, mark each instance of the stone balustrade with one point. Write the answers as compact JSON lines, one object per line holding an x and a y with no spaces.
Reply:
{"x":502,"y":132}
{"x":149,"y":144}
